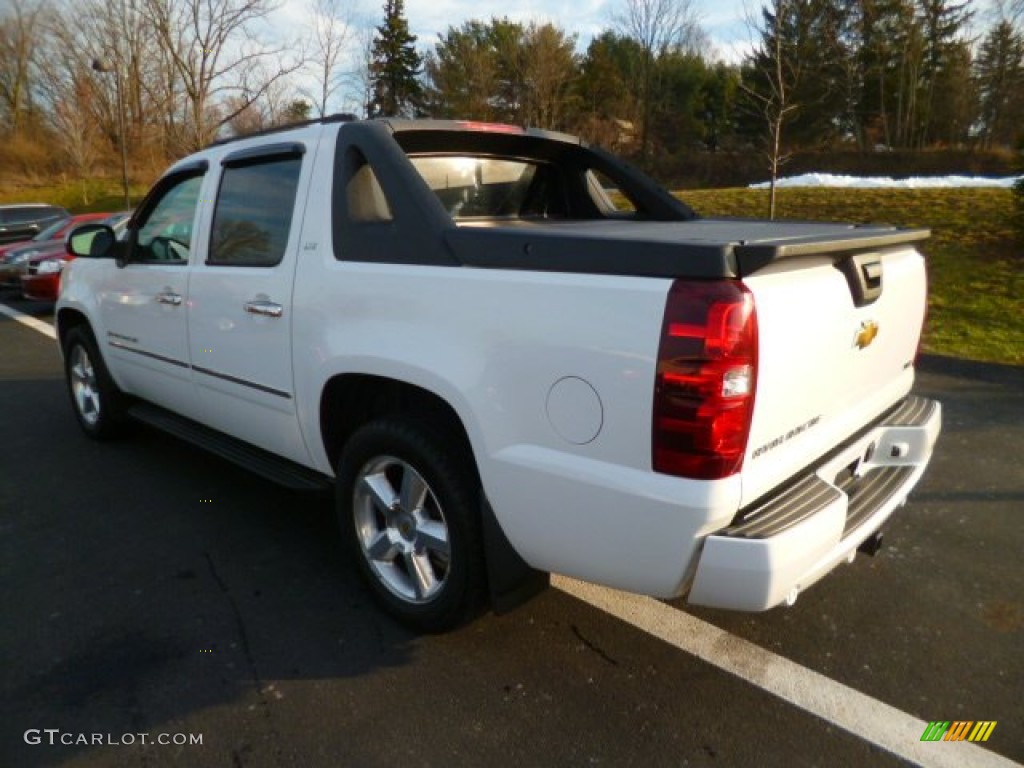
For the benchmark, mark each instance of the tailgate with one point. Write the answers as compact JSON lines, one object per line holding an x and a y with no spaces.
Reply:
{"x":838,"y":334}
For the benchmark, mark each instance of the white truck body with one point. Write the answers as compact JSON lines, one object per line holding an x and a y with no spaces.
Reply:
{"x":551,"y":375}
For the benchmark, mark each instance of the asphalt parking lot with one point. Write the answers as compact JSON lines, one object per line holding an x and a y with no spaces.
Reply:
{"x":149,"y":589}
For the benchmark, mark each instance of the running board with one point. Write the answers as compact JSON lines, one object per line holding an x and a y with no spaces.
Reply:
{"x":263,"y":463}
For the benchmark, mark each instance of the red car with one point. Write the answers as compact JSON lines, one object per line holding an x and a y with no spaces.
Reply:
{"x":41,"y":281}
{"x":15,"y":256}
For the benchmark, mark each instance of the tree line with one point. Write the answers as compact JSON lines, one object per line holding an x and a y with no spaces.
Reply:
{"x":78,"y":77}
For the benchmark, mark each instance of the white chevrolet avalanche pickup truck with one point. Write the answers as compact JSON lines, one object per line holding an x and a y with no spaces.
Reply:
{"x":512,"y":354}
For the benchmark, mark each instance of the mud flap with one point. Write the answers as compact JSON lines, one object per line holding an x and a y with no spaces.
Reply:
{"x":510,"y":580}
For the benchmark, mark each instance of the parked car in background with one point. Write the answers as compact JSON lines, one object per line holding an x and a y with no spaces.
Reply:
{"x":14,"y":257}
{"x":26,"y":220}
{"x":54,"y":231}
{"x":41,"y":281}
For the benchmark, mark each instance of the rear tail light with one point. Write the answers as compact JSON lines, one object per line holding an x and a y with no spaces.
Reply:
{"x":706,"y":377}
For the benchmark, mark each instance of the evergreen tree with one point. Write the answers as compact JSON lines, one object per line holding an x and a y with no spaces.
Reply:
{"x":395,"y":67}
{"x":462,"y":71}
{"x":890,"y":61}
{"x":678,"y":110}
{"x":999,"y":76}
{"x":506,"y":72}
{"x":609,"y":69}
{"x":719,"y":96}
{"x":606,"y":93}
{"x":943,"y":24}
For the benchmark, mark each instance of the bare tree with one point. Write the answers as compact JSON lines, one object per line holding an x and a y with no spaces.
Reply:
{"x":361,"y":79}
{"x":772,"y":92}
{"x":278,"y":106}
{"x":1012,"y":11}
{"x":659,"y":26}
{"x":135,"y":82}
{"x":20,"y":29}
{"x":215,"y":52}
{"x":332,"y":32}
{"x":77,"y":135}
{"x":69,"y":97}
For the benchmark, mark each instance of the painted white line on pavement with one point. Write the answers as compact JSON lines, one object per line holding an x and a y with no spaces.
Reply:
{"x":29,"y":321}
{"x":842,"y":706}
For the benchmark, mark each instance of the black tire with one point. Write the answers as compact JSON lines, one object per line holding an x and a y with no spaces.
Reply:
{"x":420,"y":556}
{"x":97,"y":402}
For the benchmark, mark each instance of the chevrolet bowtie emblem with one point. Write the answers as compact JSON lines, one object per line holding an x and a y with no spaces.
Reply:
{"x":867,"y":333}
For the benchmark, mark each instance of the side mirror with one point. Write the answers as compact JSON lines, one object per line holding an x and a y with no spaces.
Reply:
{"x":91,"y":241}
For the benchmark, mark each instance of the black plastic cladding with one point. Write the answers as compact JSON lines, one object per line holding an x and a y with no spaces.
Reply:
{"x":664,"y":239}
{"x":416,"y":232}
{"x":422,"y":232}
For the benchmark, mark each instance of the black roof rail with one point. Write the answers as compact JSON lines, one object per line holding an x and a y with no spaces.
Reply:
{"x":338,"y":117}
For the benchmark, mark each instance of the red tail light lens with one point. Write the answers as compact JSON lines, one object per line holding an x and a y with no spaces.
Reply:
{"x":706,"y":377}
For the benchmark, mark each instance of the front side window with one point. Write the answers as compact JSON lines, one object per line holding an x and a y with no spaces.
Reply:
{"x":253,"y":217}
{"x":166,"y":234}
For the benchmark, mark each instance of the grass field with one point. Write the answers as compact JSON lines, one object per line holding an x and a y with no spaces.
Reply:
{"x":975,"y":264}
{"x":77,"y":196}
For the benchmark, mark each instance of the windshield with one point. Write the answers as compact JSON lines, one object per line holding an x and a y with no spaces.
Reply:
{"x":50,"y":232}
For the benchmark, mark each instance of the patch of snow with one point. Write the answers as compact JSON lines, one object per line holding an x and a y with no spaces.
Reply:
{"x":882,"y":182}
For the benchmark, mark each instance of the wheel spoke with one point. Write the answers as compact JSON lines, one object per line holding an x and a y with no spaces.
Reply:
{"x":381,"y":492}
{"x":382,"y":548}
{"x":414,"y":490}
{"x":422,"y":573}
{"x":432,"y":536}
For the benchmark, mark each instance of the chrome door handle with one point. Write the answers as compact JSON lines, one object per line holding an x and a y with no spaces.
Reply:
{"x":265,"y":308}
{"x":167,"y":297}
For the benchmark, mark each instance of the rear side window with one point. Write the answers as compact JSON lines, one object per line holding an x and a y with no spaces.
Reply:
{"x":253,"y":216}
